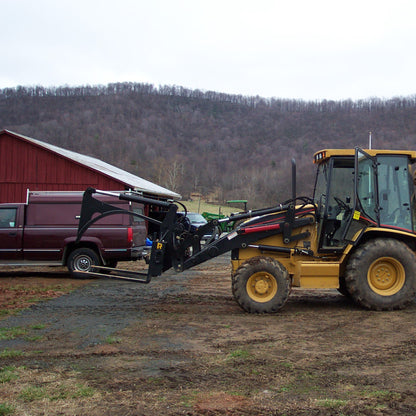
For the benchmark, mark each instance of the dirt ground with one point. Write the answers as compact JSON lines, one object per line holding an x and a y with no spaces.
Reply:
{"x":182,"y":346}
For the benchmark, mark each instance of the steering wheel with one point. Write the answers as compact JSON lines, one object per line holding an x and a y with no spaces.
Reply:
{"x":341,"y":204}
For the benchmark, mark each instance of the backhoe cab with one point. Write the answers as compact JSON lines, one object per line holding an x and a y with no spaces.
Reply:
{"x":357,"y":235}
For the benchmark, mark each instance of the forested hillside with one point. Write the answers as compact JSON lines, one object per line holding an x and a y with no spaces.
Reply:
{"x":213,"y":143}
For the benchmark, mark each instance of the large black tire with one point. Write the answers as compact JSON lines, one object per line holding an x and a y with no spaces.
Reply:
{"x":381,"y":275}
{"x":82,"y":259}
{"x":261,"y":285}
{"x":343,"y":287}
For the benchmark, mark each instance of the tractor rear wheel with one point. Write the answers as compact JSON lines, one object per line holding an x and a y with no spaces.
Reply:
{"x":381,"y":275}
{"x":261,"y":285}
{"x":343,"y":287}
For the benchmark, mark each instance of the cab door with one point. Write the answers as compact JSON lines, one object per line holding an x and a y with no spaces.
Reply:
{"x":366,"y":187}
{"x":336,"y":203}
{"x":366,"y":210}
{"x":395,"y":191}
{"x":11,"y":233}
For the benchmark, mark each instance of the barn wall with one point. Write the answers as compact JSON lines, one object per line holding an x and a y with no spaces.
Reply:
{"x":24,"y":165}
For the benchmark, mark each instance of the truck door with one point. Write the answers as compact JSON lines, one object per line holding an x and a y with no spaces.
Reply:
{"x":11,"y":233}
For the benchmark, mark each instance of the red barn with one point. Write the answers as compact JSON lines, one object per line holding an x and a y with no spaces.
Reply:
{"x":27,"y":163}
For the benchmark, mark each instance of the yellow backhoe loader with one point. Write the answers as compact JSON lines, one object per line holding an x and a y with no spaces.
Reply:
{"x":355,"y":234}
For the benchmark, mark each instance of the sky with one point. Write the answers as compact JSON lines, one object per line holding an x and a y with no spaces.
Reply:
{"x":295,"y":49}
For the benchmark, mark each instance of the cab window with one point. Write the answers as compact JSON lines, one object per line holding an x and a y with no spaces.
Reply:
{"x":334,"y":191}
{"x":394,"y":191}
{"x":7,"y":217}
{"x":367,"y":186}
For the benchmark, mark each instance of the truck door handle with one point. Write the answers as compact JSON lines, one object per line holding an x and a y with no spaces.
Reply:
{"x":12,"y":234}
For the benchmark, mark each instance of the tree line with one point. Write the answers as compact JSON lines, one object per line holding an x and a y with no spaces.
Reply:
{"x":130,"y":88}
{"x":230,"y":146}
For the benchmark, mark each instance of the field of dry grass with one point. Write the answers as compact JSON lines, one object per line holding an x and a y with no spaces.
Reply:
{"x":202,"y":206}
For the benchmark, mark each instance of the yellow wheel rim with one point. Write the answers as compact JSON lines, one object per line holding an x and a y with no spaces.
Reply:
{"x":386,"y":276}
{"x":261,"y":287}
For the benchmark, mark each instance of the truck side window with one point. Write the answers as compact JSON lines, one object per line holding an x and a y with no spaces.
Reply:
{"x":8,"y":217}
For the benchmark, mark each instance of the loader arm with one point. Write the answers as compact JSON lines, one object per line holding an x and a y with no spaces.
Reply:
{"x":91,"y":206}
{"x":175,"y":246}
{"x":251,"y":232}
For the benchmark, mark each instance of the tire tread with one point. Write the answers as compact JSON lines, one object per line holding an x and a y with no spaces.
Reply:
{"x":356,"y":274}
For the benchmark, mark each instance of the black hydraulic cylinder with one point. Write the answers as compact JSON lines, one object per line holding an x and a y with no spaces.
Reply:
{"x":293,"y":179}
{"x":144,"y":200}
{"x":276,"y":249}
{"x":255,"y":213}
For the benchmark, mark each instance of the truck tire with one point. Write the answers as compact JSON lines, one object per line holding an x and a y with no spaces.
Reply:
{"x":261,"y":285}
{"x":381,"y":275}
{"x":82,"y":259}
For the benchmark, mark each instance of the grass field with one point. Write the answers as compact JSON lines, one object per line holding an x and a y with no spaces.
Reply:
{"x":201,"y":206}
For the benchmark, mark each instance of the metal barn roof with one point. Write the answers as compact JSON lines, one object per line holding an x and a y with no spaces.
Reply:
{"x":130,"y":180}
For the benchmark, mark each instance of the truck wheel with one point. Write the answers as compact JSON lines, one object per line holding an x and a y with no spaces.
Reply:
{"x":381,"y":275}
{"x":261,"y":285}
{"x":82,"y":259}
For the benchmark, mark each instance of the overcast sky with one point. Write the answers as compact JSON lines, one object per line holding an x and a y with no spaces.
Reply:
{"x":307,"y":49}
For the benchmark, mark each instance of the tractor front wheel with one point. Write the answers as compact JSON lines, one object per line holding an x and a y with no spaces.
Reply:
{"x":381,"y":275}
{"x":261,"y":285}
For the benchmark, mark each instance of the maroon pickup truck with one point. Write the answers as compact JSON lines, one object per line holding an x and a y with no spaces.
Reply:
{"x":43,"y":231}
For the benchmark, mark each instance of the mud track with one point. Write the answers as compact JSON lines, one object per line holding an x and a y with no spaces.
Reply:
{"x":181,"y":345}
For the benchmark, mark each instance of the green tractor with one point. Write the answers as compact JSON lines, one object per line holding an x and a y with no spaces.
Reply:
{"x":225,"y":226}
